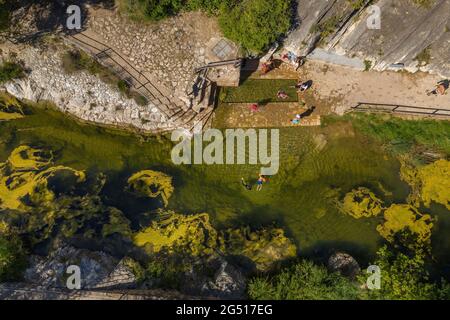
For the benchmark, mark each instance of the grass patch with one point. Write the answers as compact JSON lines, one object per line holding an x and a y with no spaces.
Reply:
{"x":402,"y":135}
{"x":260,"y":91}
{"x":10,"y":70}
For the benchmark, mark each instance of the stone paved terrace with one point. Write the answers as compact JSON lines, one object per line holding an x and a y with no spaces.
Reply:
{"x":169,"y":50}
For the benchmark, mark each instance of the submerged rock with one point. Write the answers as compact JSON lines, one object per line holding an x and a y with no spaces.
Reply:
{"x":405,"y":223}
{"x":171,"y":232}
{"x":41,"y":201}
{"x":194,"y":235}
{"x":362,"y":202}
{"x":153,"y":184}
{"x":265,"y":248}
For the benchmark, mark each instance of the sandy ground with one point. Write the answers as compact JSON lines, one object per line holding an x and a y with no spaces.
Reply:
{"x":343,"y":87}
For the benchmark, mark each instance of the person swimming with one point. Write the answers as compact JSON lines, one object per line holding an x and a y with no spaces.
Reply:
{"x":245,"y":184}
{"x":260,"y":182}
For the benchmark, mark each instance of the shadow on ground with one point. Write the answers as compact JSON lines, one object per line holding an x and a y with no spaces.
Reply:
{"x":50,"y":15}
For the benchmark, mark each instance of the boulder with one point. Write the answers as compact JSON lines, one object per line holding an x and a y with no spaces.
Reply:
{"x":345,"y":264}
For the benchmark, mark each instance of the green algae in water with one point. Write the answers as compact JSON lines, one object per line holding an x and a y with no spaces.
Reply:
{"x":317,"y":165}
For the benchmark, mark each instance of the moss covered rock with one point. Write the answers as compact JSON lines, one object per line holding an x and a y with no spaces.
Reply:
{"x":153,"y":184}
{"x":405,"y":223}
{"x":195,"y":236}
{"x":171,"y":231}
{"x":362,"y":202}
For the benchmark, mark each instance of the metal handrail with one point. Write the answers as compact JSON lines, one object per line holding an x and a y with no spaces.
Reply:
{"x":396,"y":108}
{"x":141,"y":85}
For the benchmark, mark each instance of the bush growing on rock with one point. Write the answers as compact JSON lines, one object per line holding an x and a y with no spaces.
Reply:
{"x":10,"y":70}
{"x":5,"y":10}
{"x":150,"y":10}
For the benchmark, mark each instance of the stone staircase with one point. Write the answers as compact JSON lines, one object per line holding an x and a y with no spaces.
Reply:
{"x":176,"y":113}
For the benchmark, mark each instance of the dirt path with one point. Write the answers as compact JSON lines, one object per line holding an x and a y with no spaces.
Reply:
{"x":340,"y":88}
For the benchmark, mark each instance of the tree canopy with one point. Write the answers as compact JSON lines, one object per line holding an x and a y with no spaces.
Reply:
{"x":255,"y":24}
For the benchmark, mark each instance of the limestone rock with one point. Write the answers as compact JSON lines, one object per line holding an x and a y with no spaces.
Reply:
{"x":98,"y":269}
{"x":228,"y":283}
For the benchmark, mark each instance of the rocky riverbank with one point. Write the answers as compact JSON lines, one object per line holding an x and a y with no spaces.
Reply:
{"x":81,"y":94}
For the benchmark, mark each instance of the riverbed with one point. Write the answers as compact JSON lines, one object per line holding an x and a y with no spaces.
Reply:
{"x":317,"y":167}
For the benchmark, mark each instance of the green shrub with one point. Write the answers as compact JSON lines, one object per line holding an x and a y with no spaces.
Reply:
{"x":150,"y":10}
{"x":10,"y":70}
{"x":12,"y":258}
{"x":303,"y":281}
{"x":75,"y":60}
{"x":367,"y":65}
{"x":255,"y":24}
{"x":124,"y":87}
{"x":140,"y":99}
